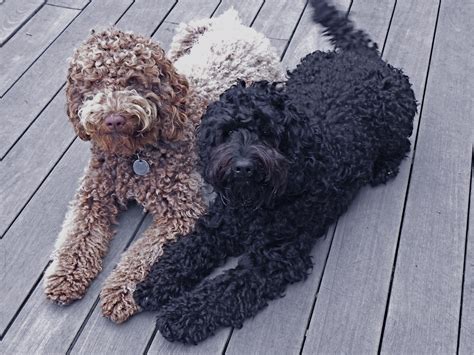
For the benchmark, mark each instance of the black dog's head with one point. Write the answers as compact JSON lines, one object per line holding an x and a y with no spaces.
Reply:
{"x":247,"y":143}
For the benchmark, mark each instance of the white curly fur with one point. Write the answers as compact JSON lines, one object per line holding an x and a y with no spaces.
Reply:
{"x":224,"y":50}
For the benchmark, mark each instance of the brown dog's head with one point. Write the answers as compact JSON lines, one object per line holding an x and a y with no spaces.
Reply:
{"x":123,"y":93}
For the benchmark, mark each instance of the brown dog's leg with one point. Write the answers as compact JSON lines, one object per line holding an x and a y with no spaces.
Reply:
{"x":83,"y":240}
{"x":174,"y":215}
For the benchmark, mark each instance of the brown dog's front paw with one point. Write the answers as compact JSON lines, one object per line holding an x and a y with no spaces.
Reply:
{"x":117,"y":302}
{"x":64,"y":288}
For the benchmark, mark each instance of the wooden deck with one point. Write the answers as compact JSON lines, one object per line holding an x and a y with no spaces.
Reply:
{"x":395,"y":275}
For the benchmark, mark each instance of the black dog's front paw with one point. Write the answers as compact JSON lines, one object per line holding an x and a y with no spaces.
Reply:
{"x":185,"y":322}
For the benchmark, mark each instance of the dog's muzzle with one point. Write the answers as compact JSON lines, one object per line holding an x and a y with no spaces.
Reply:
{"x":251,"y":174}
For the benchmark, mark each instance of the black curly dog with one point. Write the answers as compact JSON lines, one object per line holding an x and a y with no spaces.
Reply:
{"x":285,"y":160}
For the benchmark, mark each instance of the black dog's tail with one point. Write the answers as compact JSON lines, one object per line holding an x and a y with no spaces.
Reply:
{"x":339,"y":28}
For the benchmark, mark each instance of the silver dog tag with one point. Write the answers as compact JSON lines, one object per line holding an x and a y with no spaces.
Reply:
{"x":141,"y":167}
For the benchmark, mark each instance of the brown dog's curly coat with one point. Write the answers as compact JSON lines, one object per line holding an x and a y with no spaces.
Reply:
{"x":126,"y":97}
{"x":117,"y":73}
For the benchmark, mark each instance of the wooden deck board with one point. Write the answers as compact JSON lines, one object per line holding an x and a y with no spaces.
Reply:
{"x":423,"y":314}
{"x":36,"y":35}
{"x":28,"y":163}
{"x":307,"y":38}
{"x":247,"y":9}
{"x":184,"y":11}
{"x":466,"y":344}
{"x":424,"y":307}
{"x":13,"y":14}
{"x":72,"y":4}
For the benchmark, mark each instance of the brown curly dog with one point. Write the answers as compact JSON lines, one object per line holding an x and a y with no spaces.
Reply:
{"x":140,"y":114}
{"x":125,"y":96}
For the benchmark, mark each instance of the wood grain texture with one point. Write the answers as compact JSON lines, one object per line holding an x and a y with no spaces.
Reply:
{"x":247,"y":9}
{"x":13,"y":14}
{"x":30,"y":41}
{"x":28,"y":163}
{"x":423,"y":313}
{"x":466,"y":342}
{"x":24,"y":101}
{"x":144,"y":16}
{"x":73,"y":4}
{"x":184,"y":11}
{"x":278,"y":19}
{"x":308,"y":37}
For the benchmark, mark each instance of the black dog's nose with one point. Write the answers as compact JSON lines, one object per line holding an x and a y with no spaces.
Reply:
{"x":243,"y":168}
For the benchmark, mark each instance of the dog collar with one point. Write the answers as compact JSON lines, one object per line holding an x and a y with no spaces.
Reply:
{"x":140,"y":166}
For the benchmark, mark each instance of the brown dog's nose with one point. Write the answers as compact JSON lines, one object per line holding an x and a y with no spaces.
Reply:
{"x":115,"y":121}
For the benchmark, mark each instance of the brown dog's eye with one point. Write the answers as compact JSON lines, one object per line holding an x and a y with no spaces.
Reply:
{"x":133,"y":81}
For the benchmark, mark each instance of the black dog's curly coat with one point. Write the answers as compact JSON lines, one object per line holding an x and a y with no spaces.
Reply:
{"x":286,"y":160}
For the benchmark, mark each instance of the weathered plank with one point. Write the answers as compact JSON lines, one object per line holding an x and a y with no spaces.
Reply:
{"x":35,"y":36}
{"x":307,"y":37}
{"x":45,"y":328}
{"x":423,"y":313}
{"x":277,"y":20}
{"x":247,"y":9}
{"x":72,"y":4}
{"x":24,"y":101}
{"x":145,"y":16}
{"x":29,"y":162}
{"x":13,"y":14}
{"x":184,"y":11}
{"x":466,"y":343}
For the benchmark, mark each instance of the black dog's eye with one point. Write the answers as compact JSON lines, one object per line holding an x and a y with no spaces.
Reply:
{"x":228,"y":132}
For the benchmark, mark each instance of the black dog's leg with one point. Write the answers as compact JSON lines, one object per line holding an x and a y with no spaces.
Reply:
{"x":186,"y":261}
{"x":237,"y":294}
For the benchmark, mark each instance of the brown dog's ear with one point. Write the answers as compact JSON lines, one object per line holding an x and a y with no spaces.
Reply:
{"x":170,"y":91}
{"x":74,"y":101}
